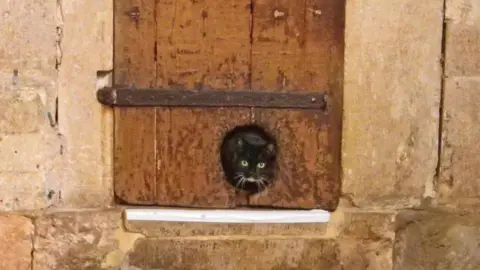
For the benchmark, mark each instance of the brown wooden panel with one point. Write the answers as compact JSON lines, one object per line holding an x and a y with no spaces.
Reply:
{"x":298,"y":135}
{"x":328,"y":182}
{"x":202,"y":45}
{"x":278,"y":45}
{"x":134,"y":65}
{"x":134,"y":44}
{"x":135,"y":155}
{"x":188,"y":164}
{"x":324,"y":48}
{"x":277,"y":65}
{"x":298,"y":45}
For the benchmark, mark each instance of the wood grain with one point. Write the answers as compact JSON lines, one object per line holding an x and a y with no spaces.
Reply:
{"x":188,"y":162}
{"x":328,"y":182}
{"x":134,"y":65}
{"x":278,"y":45}
{"x":324,"y":48}
{"x":202,"y":45}
{"x":135,"y":155}
{"x":299,"y":137}
{"x":134,"y":44}
{"x":298,"y":45}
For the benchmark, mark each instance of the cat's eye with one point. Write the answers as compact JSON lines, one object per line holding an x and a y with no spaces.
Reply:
{"x":261,"y":165}
{"x":244,"y":163}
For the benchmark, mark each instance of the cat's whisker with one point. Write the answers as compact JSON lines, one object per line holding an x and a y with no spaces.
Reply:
{"x":262,"y":182}
{"x":239,"y":183}
{"x":244,"y":181}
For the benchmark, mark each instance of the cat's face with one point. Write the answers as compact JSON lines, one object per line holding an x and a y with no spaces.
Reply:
{"x":253,"y":164}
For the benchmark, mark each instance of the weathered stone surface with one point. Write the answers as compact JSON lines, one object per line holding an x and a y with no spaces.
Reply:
{"x":460,"y":171}
{"x":20,"y":112}
{"x":438,"y":241}
{"x":235,"y":254}
{"x":87,"y":47}
{"x":368,"y":226}
{"x":366,"y":240}
{"x":16,"y":234}
{"x":26,"y":152}
{"x":28,"y":37}
{"x":126,"y":241}
{"x":182,"y":229}
{"x":463,"y":38}
{"x":366,"y":255}
{"x":22,"y":191}
{"x":73,"y":241}
{"x":391,"y":101}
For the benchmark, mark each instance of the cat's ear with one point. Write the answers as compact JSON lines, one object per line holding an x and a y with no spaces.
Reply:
{"x":271,"y":149}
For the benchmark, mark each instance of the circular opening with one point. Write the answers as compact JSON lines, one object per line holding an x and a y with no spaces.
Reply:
{"x":249,"y":158}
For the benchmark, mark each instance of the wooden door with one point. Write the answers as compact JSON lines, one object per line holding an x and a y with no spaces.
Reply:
{"x":169,"y":155}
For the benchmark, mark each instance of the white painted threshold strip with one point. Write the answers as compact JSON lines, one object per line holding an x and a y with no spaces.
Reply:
{"x":228,"y":216}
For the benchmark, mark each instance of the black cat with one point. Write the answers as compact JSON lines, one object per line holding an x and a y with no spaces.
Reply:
{"x":248,"y":156}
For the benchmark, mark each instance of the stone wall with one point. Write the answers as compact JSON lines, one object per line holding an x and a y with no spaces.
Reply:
{"x":410,"y":163}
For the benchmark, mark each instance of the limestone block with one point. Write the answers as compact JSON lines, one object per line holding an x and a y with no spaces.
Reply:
{"x":368,"y":225}
{"x":366,"y":240}
{"x":28,"y":37}
{"x":26,"y":152}
{"x":87,"y":47}
{"x":366,"y":255}
{"x":234,"y":254}
{"x":16,"y":234}
{"x":438,"y":241}
{"x":460,"y":165}
{"x":463,"y":38}
{"x":391,"y":101}
{"x":72,"y":241}
{"x":22,"y":191}
{"x":20,"y":112}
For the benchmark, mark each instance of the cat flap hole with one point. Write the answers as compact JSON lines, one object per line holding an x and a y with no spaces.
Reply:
{"x":248,"y":155}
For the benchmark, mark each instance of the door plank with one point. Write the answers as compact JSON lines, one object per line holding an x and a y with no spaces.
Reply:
{"x":277,"y":65}
{"x":298,"y":139}
{"x":278,"y":45}
{"x":324,"y":46}
{"x":188,"y":164}
{"x":298,"y":46}
{"x":134,"y":65}
{"x":203,"y":45}
{"x":135,"y":155}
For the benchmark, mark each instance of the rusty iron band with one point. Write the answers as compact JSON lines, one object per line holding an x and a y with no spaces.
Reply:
{"x":151,"y":97}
